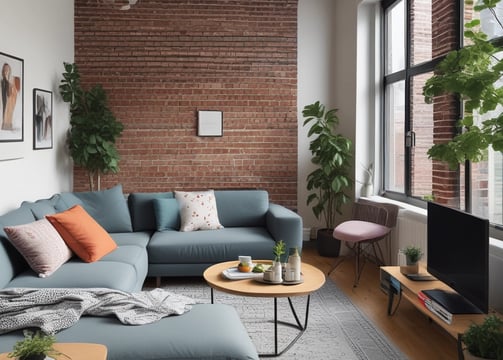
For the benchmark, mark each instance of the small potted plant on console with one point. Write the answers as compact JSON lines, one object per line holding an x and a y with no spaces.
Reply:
{"x":412,"y":256}
{"x":485,"y":340}
{"x":34,"y":346}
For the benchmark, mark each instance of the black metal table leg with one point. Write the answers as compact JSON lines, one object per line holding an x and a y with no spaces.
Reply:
{"x":299,"y":326}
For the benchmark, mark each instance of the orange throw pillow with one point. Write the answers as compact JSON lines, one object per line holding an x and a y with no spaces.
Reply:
{"x":82,"y":234}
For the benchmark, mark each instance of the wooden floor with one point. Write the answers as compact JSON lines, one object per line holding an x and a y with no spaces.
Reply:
{"x":413,"y":333}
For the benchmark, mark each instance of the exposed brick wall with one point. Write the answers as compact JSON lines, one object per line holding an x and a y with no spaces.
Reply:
{"x":446,"y":186}
{"x":164,"y":60}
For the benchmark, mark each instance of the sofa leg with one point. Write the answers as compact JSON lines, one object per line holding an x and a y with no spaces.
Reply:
{"x":158,"y":281}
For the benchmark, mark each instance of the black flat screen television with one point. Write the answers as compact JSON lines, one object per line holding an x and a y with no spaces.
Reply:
{"x":458,"y":255}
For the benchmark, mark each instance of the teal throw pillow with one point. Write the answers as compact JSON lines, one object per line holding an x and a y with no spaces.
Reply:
{"x":167,"y":214}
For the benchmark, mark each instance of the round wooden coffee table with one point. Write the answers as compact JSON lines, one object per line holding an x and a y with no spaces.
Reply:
{"x":313,"y":279}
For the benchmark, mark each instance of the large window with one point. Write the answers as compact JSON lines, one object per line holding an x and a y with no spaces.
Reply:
{"x":408,"y":62}
{"x":417,"y":35}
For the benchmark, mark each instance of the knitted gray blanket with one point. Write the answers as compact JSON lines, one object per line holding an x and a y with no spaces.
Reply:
{"x":56,"y":309}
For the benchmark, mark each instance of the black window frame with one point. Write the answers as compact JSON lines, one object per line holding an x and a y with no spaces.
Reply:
{"x":496,"y":230}
{"x":407,"y":75}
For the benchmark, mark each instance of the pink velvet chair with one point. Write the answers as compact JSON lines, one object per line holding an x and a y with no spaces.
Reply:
{"x":370,"y":223}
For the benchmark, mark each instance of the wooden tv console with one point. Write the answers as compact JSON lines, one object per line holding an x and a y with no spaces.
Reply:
{"x":410,"y":289}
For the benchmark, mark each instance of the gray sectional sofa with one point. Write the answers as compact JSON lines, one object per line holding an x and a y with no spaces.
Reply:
{"x":145,"y":228}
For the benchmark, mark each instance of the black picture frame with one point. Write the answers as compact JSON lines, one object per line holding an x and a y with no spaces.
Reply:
{"x":11,"y":98}
{"x":42,"y":119}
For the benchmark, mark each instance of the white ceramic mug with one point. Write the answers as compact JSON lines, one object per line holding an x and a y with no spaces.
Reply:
{"x":245,"y":260}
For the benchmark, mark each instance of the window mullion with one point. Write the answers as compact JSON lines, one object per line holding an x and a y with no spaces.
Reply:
{"x":407,"y":117}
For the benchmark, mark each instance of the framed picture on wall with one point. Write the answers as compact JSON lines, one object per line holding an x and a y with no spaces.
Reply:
{"x":42,"y":119}
{"x":11,"y":98}
{"x":209,"y":123}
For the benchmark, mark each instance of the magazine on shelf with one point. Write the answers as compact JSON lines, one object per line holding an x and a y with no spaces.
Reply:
{"x":435,"y":307}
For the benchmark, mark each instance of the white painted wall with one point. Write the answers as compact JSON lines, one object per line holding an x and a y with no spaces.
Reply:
{"x":336,"y":51}
{"x":40,"y":33}
{"x":316,"y":74}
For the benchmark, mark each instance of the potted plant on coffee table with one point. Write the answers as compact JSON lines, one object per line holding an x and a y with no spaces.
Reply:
{"x":278,"y":250}
{"x":34,"y":346}
{"x":332,"y":154}
{"x":485,"y":340}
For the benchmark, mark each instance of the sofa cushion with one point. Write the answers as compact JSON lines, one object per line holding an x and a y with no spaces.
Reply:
{"x":41,"y":246}
{"x":188,"y":336}
{"x":19,"y":216}
{"x":11,"y":261}
{"x":175,"y":247}
{"x":198,"y":210}
{"x":76,"y":273}
{"x":43,"y":207}
{"x":167,"y":214}
{"x":137,"y":238}
{"x":242,"y":207}
{"x":66,"y":200}
{"x":141,"y":206}
{"x":82,"y":234}
{"x":133,"y":255}
{"x":108,"y":207}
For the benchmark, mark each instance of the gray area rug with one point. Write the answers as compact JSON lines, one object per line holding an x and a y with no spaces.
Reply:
{"x":336,"y":328}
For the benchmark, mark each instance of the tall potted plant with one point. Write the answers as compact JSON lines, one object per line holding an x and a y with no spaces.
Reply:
{"x":94,"y":128}
{"x":472,"y":73}
{"x":331,"y":153}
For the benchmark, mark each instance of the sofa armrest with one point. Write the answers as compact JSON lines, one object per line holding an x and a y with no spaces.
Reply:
{"x":284,"y":224}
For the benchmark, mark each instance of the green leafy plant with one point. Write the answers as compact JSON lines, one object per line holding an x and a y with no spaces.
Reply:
{"x":94,"y":128}
{"x":486,"y":339}
{"x":472,"y":74}
{"x":34,"y":344}
{"x":331,"y":154}
{"x":413,"y":254}
{"x":278,"y":249}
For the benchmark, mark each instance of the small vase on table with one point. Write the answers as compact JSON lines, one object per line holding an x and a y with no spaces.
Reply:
{"x":277,"y":271}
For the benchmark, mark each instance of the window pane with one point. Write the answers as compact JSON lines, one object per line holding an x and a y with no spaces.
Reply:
{"x":487,"y":184}
{"x":395,"y":38}
{"x":488,"y":21}
{"x":487,"y":188}
{"x":421,"y":117}
{"x":394,"y":136}
{"x":421,"y":44}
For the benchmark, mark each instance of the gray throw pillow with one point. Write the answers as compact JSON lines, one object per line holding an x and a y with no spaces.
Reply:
{"x":108,"y":207}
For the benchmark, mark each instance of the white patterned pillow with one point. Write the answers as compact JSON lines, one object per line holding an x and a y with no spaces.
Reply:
{"x":198,"y":210}
{"x":41,"y":246}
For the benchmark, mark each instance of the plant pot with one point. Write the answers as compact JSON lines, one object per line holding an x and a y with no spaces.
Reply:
{"x":468,"y":356}
{"x":327,"y":245}
{"x":409,"y":269}
{"x":34,"y":357}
